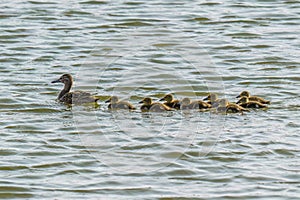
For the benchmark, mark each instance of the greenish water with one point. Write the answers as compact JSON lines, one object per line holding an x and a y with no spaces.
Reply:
{"x":135,"y":49}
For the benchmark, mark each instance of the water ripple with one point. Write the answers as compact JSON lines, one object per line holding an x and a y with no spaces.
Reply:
{"x":135,"y":49}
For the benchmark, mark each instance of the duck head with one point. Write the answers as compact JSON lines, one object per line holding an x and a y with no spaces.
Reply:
{"x":146,"y":101}
{"x":212,"y":97}
{"x":168,"y":98}
{"x":244,"y":94}
{"x":112,"y":99}
{"x":66,"y":79}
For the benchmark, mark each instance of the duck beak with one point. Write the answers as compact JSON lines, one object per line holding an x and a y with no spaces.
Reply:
{"x":56,"y":81}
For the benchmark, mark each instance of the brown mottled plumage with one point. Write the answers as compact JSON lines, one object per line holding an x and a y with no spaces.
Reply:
{"x":75,"y":97}
{"x":170,"y":101}
{"x":149,"y":105}
{"x":116,"y":104}
{"x":253,"y":98}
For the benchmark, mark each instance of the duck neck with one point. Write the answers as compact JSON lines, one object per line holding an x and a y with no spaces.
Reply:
{"x":65,"y":90}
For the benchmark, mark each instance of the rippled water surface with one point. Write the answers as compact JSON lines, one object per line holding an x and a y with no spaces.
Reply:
{"x":135,"y":49}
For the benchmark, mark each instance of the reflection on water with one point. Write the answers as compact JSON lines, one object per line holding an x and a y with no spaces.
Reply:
{"x":135,"y":49}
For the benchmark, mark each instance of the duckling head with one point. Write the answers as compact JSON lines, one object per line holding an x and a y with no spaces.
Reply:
{"x":168,"y":98}
{"x":212,"y":97}
{"x":66,"y":79}
{"x":146,"y":101}
{"x":244,"y":94}
{"x":112,"y":99}
{"x":186,"y":101}
{"x":244,"y":99}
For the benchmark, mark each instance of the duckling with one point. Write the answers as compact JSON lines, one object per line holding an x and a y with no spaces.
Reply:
{"x":245,"y":103}
{"x":170,"y":101}
{"x":149,"y":105}
{"x":75,"y":97}
{"x":253,"y":98}
{"x":187,"y":104}
{"x":226,"y":107}
{"x":115,"y":104}
{"x":212,"y":99}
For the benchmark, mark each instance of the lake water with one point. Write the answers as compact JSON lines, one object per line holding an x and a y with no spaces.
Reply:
{"x":135,"y":49}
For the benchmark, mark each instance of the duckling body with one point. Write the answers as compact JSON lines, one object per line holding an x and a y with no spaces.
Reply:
{"x":116,"y":104}
{"x":149,"y":105}
{"x":171,"y":102}
{"x":75,"y":97}
{"x":187,"y":104}
{"x":246,"y":103}
{"x":253,"y":98}
{"x":226,"y":107}
{"x":212,"y":99}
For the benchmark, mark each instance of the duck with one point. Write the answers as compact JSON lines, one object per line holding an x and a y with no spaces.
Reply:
{"x":149,"y":105}
{"x":226,"y":107}
{"x":170,"y":101}
{"x":253,"y":98}
{"x":75,"y":97}
{"x":115,"y":104}
{"x":246,"y":103}
{"x":212,"y":99}
{"x":187,"y":104}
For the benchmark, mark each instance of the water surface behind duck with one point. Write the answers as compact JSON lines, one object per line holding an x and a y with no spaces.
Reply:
{"x":135,"y":49}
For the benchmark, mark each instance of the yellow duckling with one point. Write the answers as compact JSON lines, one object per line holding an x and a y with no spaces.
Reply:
{"x":187,"y":104}
{"x":149,"y":105}
{"x":253,"y":98}
{"x":170,"y":101}
{"x":245,"y":103}
{"x":226,"y":107}
{"x":75,"y":97}
{"x":115,"y":104}
{"x":212,"y":99}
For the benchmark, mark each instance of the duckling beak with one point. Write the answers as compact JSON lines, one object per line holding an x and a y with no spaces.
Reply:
{"x":162,"y":99}
{"x":206,"y":98}
{"x":56,"y":81}
{"x":238,"y":96}
{"x":141,"y":101}
{"x":107,"y":101}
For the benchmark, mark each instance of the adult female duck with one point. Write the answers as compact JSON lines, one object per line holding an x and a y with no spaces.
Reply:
{"x":75,"y":97}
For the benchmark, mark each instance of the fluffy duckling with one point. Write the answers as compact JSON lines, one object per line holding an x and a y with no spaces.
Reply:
{"x":75,"y":97}
{"x":115,"y":104}
{"x":187,"y":104}
{"x":245,"y":103}
{"x":253,"y":98}
{"x":170,"y":101}
{"x":149,"y":105}
{"x":226,"y":107}
{"x":212,"y":99}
